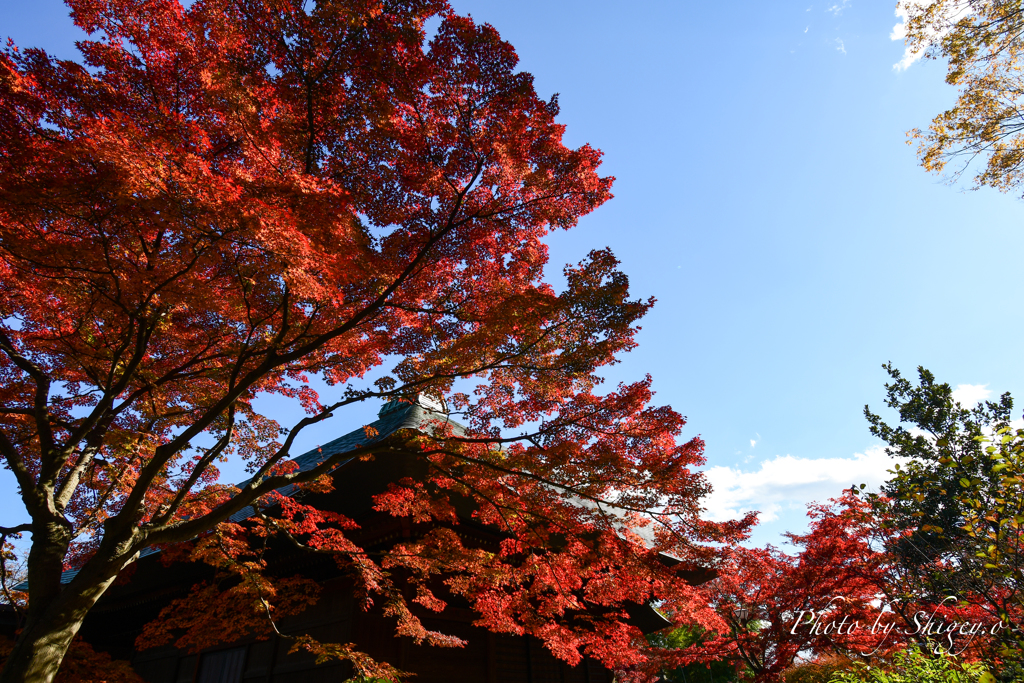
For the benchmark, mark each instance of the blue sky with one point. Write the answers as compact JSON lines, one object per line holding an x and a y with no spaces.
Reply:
{"x":766,"y":196}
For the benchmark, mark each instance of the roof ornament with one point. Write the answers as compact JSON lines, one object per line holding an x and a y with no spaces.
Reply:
{"x":432,"y":403}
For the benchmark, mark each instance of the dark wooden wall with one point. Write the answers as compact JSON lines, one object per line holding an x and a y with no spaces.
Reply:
{"x":486,"y":658}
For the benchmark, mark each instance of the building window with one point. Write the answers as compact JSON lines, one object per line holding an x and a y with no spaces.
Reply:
{"x":223,"y":666}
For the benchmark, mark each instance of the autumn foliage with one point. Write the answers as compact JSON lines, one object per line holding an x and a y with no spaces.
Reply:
{"x":980,"y":41}
{"x":83,"y":664}
{"x":846,"y":598}
{"x":816,"y":600}
{"x":227,"y":200}
{"x":249,"y":198}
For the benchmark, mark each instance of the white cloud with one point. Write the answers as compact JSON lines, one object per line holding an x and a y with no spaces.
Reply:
{"x":791,"y":482}
{"x":838,"y":9}
{"x":899,"y":32}
{"x":754,"y":442}
{"x":807,"y":29}
{"x":970,"y":395}
{"x":841,"y":47}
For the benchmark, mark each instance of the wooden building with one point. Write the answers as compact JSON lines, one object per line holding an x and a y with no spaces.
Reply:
{"x":487,"y":657}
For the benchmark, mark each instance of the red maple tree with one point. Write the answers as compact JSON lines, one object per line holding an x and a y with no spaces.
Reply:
{"x":843,"y":596}
{"x":228,"y":199}
{"x":824,"y":600}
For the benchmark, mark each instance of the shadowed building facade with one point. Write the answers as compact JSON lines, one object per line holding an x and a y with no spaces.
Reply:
{"x":337,"y":617}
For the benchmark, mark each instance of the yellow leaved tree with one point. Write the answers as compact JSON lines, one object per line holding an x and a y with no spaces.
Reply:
{"x":983,"y":132}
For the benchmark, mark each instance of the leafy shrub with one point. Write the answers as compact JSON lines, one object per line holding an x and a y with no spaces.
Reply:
{"x":914,"y":666}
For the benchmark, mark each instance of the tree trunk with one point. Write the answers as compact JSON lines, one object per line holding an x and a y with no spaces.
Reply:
{"x":49,"y":630}
{"x":39,"y":652}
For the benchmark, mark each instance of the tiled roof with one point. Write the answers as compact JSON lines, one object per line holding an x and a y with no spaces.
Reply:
{"x":393,"y":417}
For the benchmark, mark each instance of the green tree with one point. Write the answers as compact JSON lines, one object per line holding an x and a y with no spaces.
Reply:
{"x":913,"y":666}
{"x":719,"y":671}
{"x":817,"y":671}
{"x":953,"y":512}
